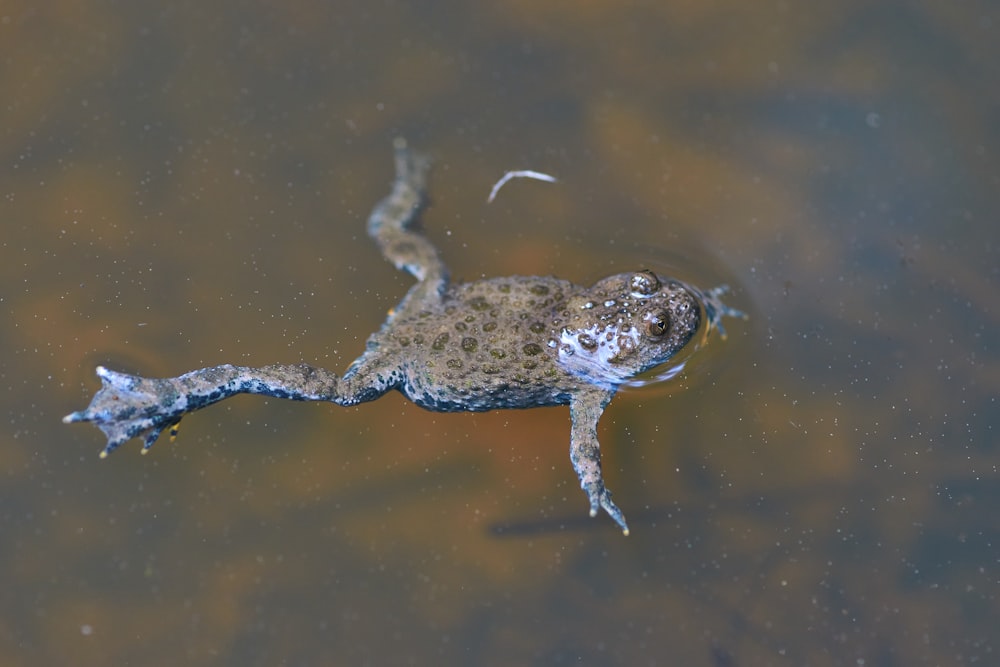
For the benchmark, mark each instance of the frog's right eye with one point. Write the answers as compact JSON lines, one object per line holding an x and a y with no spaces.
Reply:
{"x":644,"y":283}
{"x":656,"y":323}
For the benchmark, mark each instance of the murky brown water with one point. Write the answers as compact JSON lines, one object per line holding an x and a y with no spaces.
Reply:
{"x":186,"y":184}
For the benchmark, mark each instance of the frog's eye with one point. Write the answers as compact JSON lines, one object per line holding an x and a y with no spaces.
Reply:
{"x":644,"y":283}
{"x":657,"y":323}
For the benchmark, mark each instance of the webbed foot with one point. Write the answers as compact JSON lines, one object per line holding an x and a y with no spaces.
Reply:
{"x":600,"y":497}
{"x":716,"y":310}
{"x":129,"y":406}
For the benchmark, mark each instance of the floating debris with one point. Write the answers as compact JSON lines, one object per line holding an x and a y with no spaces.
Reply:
{"x":520,"y":173}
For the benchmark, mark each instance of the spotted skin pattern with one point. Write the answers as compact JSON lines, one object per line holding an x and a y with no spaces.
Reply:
{"x":516,"y":342}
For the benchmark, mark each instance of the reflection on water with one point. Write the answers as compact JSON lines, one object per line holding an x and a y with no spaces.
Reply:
{"x":187,"y":185}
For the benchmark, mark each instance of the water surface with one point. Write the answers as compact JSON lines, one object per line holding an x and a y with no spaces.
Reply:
{"x":186,"y":185}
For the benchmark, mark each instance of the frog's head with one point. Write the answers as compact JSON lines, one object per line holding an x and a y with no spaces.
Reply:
{"x":625,"y":324}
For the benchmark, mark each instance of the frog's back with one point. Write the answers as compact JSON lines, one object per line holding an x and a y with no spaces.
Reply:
{"x":484,"y":345}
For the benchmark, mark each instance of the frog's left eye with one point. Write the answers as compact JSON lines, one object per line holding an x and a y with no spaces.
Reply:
{"x":657,"y":324}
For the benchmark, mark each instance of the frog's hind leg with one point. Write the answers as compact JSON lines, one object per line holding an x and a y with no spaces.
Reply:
{"x":130,"y":406}
{"x":391,"y":222}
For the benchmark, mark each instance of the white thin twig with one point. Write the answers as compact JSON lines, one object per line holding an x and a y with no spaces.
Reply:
{"x":521,"y":173}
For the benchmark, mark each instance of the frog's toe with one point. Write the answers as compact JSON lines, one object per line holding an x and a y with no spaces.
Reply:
{"x":613,"y":511}
{"x":595,"y":504}
{"x":600,"y":497}
{"x":150,"y":439}
{"x":114,"y":442}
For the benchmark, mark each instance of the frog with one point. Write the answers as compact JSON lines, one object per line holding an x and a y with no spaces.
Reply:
{"x":488,"y":344}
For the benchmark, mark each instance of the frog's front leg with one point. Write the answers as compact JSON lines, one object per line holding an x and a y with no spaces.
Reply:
{"x":585,"y":410}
